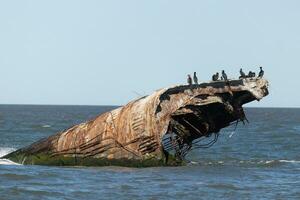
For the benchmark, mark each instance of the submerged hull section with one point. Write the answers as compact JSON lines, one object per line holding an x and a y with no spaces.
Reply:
{"x":155,"y":130}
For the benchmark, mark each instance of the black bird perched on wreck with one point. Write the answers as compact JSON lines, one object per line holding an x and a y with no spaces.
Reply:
{"x":251,"y":74}
{"x":195,"y":78}
{"x":224,"y":75}
{"x":261,"y":73}
{"x":243,"y":75}
{"x":189,"y":80}
{"x":215,"y":77}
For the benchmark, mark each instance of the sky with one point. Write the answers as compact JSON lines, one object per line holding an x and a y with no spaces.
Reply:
{"x":97,"y":52}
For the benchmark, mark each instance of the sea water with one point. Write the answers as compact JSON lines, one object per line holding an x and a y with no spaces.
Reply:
{"x":261,"y":160}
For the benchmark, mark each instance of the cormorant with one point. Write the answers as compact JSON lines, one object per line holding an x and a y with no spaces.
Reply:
{"x":215,"y":77}
{"x":189,"y":80}
{"x":261,"y":73}
{"x":195,"y":78}
{"x":243,"y":75}
{"x":251,"y":74}
{"x":224,"y":75}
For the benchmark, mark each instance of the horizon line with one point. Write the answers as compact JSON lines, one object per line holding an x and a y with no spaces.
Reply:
{"x":123,"y":105}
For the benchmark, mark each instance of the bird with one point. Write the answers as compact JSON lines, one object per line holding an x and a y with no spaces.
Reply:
{"x":224,"y":75}
{"x":195,"y":78}
{"x":215,"y":77}
{"x":251,"y":74}
{"x":261,"y":73}
{"x":189,"y":80}
{"x":243,"y":75}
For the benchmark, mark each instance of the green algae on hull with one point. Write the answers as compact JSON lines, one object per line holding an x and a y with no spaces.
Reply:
{"x":47,"y":159}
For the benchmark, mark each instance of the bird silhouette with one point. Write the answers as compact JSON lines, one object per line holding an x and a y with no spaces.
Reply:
{"x":189,"y":80}
{"x":195,"y":78}
{"x":243,"y":75}
{"x":215,"y":77}
{"x":261,"y":73}
{"x":224,"y":75}
{"x":251,"y":74}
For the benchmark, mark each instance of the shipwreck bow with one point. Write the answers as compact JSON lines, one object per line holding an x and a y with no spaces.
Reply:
{"x":154,"y":130}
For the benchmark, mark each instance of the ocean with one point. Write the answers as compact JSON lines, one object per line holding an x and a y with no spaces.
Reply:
{"x":259,"y":160}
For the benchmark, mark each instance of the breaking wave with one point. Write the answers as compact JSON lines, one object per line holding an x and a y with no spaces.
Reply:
{"x":289,"y":161}
{"x":257,"y":163}
{"x":4,"y":151}
{"x":46,"y":126}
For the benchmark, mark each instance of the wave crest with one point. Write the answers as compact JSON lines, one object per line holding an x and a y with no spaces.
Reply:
{"x":4,"y":151}
{"x":258,"y":163}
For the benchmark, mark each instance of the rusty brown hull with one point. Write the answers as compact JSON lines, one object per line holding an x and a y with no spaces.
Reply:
{"x":158,"y":129}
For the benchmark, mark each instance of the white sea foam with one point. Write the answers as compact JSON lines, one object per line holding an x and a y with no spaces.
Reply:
{"x":231,"y":134}
{"x":280,"y":161}
{"x":7,"y":162}
{"x":4,"y":151}
{"x":269,"y":161}
{"x":247,"y":162}
{"x":46,"y":126}
{"x":290,"y":161}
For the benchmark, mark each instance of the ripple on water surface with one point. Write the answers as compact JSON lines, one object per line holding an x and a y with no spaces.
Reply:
{"x":260,"y":161}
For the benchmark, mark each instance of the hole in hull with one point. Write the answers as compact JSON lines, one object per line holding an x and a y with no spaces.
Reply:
{"x":194,"y":129}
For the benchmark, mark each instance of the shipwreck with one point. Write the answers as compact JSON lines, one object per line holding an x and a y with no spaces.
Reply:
{"x":155,"y":130}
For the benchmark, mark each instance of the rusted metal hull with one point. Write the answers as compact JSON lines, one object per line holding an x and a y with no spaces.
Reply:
{"x":158,"y":129}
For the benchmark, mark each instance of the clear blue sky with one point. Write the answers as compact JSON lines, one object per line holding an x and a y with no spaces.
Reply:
{"x":103,"y":52}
